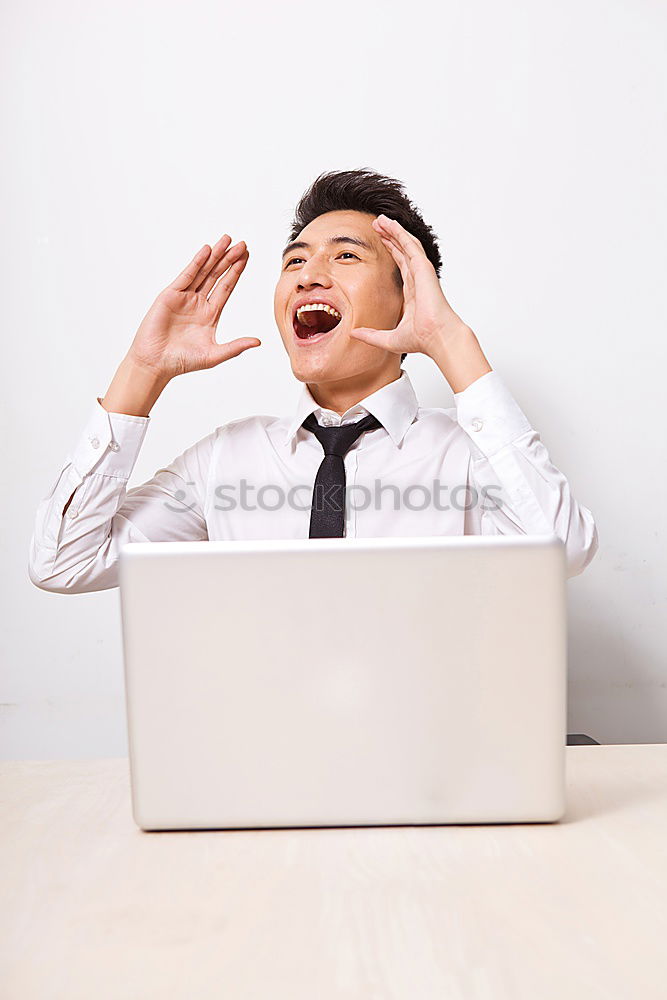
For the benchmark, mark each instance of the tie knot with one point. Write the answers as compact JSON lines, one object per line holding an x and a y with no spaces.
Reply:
{"x":339,"y":440}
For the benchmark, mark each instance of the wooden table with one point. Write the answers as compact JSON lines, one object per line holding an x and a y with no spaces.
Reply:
{"x":94,"y":908}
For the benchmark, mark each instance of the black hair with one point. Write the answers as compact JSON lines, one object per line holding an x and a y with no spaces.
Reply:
{"x":364,"y":190}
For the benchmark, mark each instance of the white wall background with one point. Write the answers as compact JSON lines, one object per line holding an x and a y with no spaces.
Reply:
{"x":532,"y":137}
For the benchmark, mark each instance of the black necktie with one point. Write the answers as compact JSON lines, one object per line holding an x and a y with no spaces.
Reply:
{"x":327,"y":514}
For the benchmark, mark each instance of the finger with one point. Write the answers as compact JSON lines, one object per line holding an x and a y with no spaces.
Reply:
{"x":393,"y":226}
{"x":222,"y":352}
{"x":408,"y":265}
{"x":399,"y":258}
{"x":388,"y":237}
{"x":189,"y":273}
{"x":225,"y":261}
{"x":405,"y":240}
{"x":386,"y":233}
{"x":227,"y":283}
{"x":403,"y":265}
{"x":376,"y":338}
{"x":217,"y":253}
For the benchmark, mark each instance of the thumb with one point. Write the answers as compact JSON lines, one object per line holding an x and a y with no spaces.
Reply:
{"x":223,"y":352}
{"x":376,"y":338}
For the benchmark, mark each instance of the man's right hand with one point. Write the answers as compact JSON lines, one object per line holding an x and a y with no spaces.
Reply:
{"x":177,"y":335}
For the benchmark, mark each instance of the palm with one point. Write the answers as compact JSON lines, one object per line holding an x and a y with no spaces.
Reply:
{"x":177,"y":335}
{"x":180,"y":328}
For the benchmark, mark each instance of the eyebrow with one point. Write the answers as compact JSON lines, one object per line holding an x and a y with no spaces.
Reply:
{"x":356,"y":241}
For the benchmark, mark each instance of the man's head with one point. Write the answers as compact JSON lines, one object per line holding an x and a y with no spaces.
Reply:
{"x":361,"y":282}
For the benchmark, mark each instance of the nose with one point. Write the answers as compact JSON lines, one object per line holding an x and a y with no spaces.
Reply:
{"x":313,"y":272}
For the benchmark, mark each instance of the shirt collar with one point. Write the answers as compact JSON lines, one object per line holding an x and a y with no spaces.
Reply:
{"x":395,"y":405}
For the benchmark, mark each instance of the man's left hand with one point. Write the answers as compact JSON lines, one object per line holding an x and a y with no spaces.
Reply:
{"x":427,"y":315}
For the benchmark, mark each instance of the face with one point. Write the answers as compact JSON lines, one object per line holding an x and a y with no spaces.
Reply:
{"x":357,"y":280}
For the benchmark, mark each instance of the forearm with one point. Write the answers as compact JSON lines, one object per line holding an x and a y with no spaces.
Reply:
{"x":133,"y":390}
{"x":516,"y":487}
{"x":458,"y":355}
{"x":70,"y":548}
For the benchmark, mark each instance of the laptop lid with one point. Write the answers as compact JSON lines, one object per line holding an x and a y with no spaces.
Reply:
{"x":345,"y":681}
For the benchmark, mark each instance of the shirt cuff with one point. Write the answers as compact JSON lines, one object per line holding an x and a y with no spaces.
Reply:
{"x":488,"y":412}
{"x":109,"y":444}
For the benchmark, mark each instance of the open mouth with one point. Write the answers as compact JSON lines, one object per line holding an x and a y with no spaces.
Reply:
{"x":314,"y":324}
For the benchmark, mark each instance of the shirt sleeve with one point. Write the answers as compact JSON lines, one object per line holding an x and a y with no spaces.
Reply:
{"x":77,"y":552}
{"x":514,"y":486}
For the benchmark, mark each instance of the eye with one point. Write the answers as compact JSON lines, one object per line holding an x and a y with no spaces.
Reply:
{"x":292,"y":259}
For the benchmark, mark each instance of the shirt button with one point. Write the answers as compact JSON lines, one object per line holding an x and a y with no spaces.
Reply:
{"x":114,"y":446}
{"x":477,"y":424}
{"x":95,"y":442}
{"x":72,"y":512}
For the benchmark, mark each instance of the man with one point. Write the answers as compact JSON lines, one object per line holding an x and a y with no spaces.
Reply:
{"x":358,"y":290}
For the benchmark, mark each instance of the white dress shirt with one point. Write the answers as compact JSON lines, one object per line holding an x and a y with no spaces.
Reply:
{"x":476,"y":468}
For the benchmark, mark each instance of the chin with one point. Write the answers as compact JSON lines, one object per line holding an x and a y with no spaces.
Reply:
{"x":308,"y":370}
{"x":309,"y":363}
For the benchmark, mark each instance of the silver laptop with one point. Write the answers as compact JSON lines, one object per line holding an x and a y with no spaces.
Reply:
{"x":339,"y":682}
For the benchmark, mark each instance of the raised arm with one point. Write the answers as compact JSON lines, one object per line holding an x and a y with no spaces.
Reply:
{"x":522,"y":492}
{"x":88,"y":514}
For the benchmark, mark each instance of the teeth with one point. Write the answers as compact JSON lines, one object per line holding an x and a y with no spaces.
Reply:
{"x":312,"y":306}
